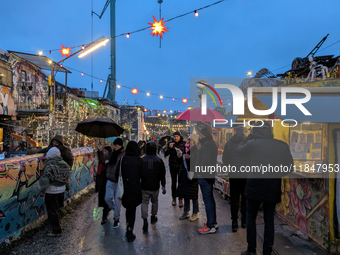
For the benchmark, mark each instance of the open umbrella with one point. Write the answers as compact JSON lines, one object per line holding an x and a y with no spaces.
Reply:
{"x":196,"y":115}
{"x":99,"y":126}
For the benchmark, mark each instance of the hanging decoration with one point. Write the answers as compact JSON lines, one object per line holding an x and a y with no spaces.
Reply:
{"x":158,"y":27}
{"x":65,"y":51}
{"x":134,"y":91}
{"x":185,"y":100}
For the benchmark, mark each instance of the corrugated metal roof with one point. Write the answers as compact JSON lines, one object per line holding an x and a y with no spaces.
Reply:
{"x":40,"y":61}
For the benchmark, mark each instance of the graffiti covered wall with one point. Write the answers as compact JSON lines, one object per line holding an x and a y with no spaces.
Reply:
{"x":21,"y":202}
{"x":304,"y":204}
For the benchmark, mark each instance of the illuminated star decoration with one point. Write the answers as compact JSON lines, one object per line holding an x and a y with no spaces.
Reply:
{"x":65,"y":51}
{"x":134,"y":91}
{"x":158,"y":27}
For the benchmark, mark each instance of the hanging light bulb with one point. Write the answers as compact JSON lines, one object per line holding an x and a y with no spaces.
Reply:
{"x":40,"y":53}
{"x":185,"y":100}
{"x":134,"y":91}
{"x":161,"y":97}
{"x":118,"y":86}
{"x":196,"y":14}
{"x":173,"y":98}
{"x":164,"y":111}
{"x":101,"y":80}
{"x":128,"y":35}
{"x":82,"y":73}
{"x":148,"y":94}
{"x":83,"y":47}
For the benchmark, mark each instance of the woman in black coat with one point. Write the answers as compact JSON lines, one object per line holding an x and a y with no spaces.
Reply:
{"x":132,"y":166}
{"x":100,"y":187}
{"x":188,"y":189}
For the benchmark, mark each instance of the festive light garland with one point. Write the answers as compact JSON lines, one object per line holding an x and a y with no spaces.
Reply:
{"x":128,"y":34}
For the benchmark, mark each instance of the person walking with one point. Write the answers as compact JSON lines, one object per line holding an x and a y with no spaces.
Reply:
{"x":112,"y":182}
{"x":131,"y":170}
{"x":231,"y":157}
{"x":153,"y":173}
{"x":175,"y":148}
{"x":65,"y":152}
{"x":101,"y":180}
{"x":53,"y":182}
{"x":188,"y":188}
{"x":262,"y":149}
{"x":207,"y":156}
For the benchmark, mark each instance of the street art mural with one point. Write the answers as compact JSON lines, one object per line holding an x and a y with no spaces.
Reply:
{"x":304,"y":204}
{"x":223,"y":187}
{"x":21,"y":202}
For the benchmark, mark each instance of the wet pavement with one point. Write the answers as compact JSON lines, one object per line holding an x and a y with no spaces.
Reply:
{"x":83,"y":233}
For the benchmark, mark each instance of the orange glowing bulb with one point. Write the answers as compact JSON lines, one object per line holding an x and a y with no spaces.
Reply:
{"x":196,"y":14}
{"x":134,"y":91}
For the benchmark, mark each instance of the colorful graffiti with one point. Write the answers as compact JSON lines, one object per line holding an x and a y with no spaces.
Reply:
{"x":304,"y":205}
{"x":222,"y":186}
{"x":21,"y":202}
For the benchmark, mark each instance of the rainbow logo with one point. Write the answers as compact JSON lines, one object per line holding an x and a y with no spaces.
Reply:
{"x":202,"y":84}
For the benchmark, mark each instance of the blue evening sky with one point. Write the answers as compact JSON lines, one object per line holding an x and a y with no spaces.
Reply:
{"x":225,"y":40}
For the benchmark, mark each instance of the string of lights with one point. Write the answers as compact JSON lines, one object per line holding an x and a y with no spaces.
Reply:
{"x":127,"y":34}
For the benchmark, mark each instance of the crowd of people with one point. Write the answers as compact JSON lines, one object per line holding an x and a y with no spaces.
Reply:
{"x":143,"y":172}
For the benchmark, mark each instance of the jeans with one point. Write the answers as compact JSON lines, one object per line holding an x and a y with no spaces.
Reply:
{"x":111,"y":198}
{"x":209,"y":201}
{"x":237,"y":187}
{"x":268,"y":212}
{"x":147,"y":195}
{"x":195,"y":209}
{"x":52,"y":202}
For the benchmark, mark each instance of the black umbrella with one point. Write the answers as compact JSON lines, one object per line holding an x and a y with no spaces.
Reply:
{"x":162,"y":140}
{"x":99,"y":126}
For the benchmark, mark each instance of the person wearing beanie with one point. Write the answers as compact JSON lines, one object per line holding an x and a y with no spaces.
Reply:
{"x":231,"y":157}
{"x":153,"y":174}
{"x":58,"y":142}
{"x":112,"y":182}
{"x":53,"y":182}
{"x":188,"y":188}
{"x":207,"y":156}
{"x":261,"y":148}
{"x":101,"y":180}
{"x":174,"y":150}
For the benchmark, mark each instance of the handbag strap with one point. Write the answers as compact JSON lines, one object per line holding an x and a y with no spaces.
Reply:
{"x":185,"y":162}
{"x":120,"y":166}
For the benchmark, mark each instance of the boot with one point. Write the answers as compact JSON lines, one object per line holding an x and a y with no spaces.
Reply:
{"x":244,"y":222}
{"x":130,"y":237}
{"x":145,"y":225}
{"x":184,"y":216}
{"x":154,"y":219}
{"x":234,"y":226}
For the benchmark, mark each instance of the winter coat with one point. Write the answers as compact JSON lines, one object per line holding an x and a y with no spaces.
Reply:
{"x":266,"y":151}
{"x":132,"y":166}
{"x":153,"y":171}
{"x":55,"y":173}
{"x":100,"y":182}
{"x":113,"y":165}
{"x":65,"y":152}
{"x":234,"y":158}
{"x":207,"y":156}
{"x":174,"y":161}
{"x":188,"y":189}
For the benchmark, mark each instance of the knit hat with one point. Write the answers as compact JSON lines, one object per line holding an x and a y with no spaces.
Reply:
{"x":177,"y":133}
{"x":205,"y":130}
{"x":54,"y":152}
{"x":194,"y":137}
{"x":118,"y":141}
{"x":239,"y":130}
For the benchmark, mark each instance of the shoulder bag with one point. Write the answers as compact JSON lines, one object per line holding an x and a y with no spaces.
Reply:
{"x":120,"y":187}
